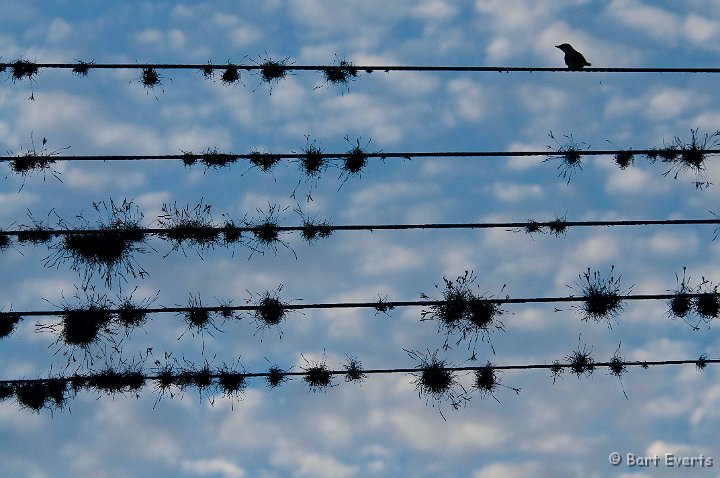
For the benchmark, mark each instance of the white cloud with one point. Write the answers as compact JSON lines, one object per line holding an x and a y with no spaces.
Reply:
{"x":654,"y":21}
{"x":434,"y":10}
{"x":509,"y":192}
{"x":212,"y":466}
{"x":470,"y":99}
{"x":509,"y":470}
{"x":306,"y":463}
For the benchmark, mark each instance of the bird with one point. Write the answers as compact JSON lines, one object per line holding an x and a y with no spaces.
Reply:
{"x":573,"y":58}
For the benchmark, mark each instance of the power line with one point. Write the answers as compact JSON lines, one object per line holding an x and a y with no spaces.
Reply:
{"x":229,"y":157}
{"x":433,"y":378}
{"x":530,"y":226}
{"x":380,"y":304}
{"x":284,"y":66}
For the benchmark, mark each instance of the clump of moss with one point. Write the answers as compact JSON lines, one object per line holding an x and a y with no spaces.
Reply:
{"x":232,"y":382}
{"x":265,"y":161}
{"x":32,"y":395}
{"x":681,"y":304}
{"x":111,"y":381}
{"x":569,"y":156}
{"x":340,"y":73}
{"x":272,"y":71}
{"x":212,"y":158}
{"x":435,"y":381}
{"x":191,"y":226}
{"x":83,"y":68}
{"x":317,"y":376}
{"x":275,"y":376}
{"x":109,"y":251}
{"x":558,"y":226}
{"x":23,"y":69}
{"x":462,"y":311}
{"x":602,"y":299}
{"x":690,"y":156}
{"x":8,"y":321}
{"x":353,"y":370}
{"x":231,"y":75}
{"x":581,"y":361}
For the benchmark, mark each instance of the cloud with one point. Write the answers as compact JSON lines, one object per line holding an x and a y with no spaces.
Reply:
{"x":508,"y":192}
{"x":213,"y":467}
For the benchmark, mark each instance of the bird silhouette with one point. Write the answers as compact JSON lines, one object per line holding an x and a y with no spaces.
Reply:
{"x":573,"y":58}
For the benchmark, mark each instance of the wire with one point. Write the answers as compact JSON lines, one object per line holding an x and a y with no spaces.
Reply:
{"x":381,"y":304}
{"x":282,"y":66}
{"x":701,"y":362}
{"x":381,"y":155}
{"x":557,"y":225}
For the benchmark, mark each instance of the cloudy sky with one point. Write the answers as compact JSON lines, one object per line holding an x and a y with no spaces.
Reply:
{"x":380,"y":427}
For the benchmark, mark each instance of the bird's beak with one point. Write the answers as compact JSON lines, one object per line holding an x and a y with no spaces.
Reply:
{"x":558,"y":46}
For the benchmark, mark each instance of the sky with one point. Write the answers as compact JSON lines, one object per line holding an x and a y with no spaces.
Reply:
{"x":555,"y":426}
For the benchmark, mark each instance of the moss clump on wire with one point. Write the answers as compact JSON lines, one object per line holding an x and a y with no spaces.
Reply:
{"x":264,"y":161}
{"x":6,"y":391}
{"x":271,"y":71}
{"x":5,"y":241}
{"x":581,"y":361}
{"x":131,"y":314}
{"x":355,"y":159}
{"x":434,"y":382}
{"x":353,"y":370}
{"x":601,"y":296}
{"x":707,"y":305}
{"x":198,"y":318}
{"x":8,"y":321}
{"x":111,"y":381}
{"x":36,"y":395}
{"x":86,"y":327}
{"x":35,"y":159}
{"x":558,"y":226}
{"x":275,"y":376}
{"x":317,"y":376}
{"x":270,"y":310}
{"x":690,"y":156}
{"x":32,"y":395}
{"x":35,"y":234}
{"x":83,"y":68}
{"x":486,"y":381}
{"x":462,"y":311}
{"x":624,"y":159}
{"x":150,"y":78}
{"x":109,"y":252}
{"x":189,"y":226}
{"x":232,"y":382}
{"x":312,"y":229}
{"x":618,"y":368}
{"x":211,"y":158}
{"x":312,"y":161}
{"x":231,"y":75}
{"x":23,"y":69}
{"x":231,"y":233}
{"x":340,"y":73}
{"x":82,"y":327}
{"x":265,"y":231}
{"x":681,"y":305}
{"x":569,"y":155}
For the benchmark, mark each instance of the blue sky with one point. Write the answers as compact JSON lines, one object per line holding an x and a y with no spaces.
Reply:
{"x":562,"y":428}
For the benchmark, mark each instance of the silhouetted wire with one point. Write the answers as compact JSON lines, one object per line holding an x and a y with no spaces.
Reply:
{"x":366,"y":68}
{"x":393,"y":227}
{"x":555,"y":365}
{"x":381,"y":155}
{"x":364,"y":305}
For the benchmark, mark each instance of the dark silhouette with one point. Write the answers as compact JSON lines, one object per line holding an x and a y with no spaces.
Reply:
{"x":573,"y":58}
